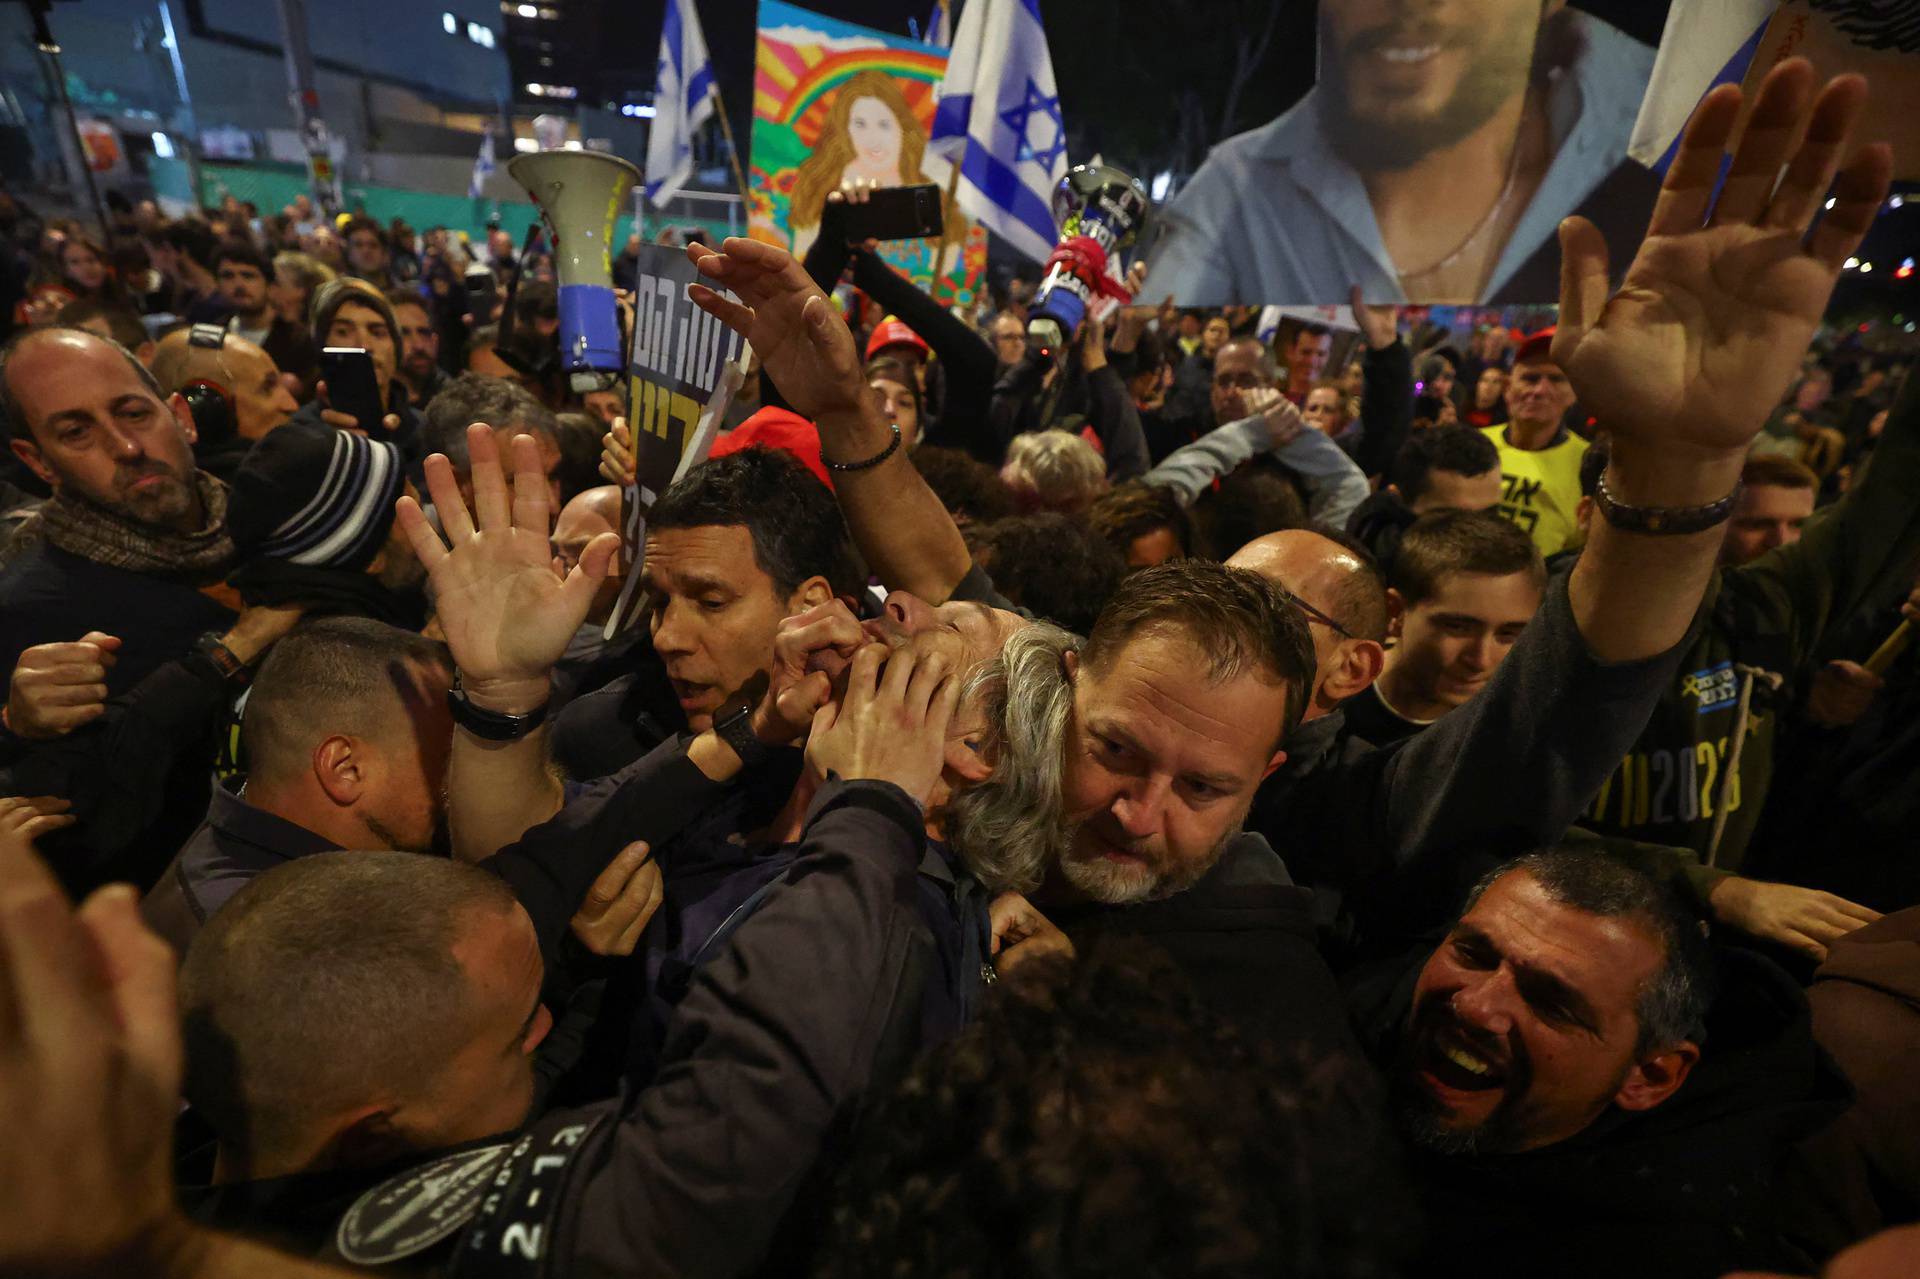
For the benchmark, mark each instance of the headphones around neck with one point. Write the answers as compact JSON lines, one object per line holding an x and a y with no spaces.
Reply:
{"x":215,"y":418}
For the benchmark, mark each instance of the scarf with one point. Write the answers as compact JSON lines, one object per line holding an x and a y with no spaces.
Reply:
{"x":92,"y":532}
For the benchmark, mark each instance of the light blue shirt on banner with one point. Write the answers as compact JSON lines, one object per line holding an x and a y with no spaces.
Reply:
{"x":1275,"y":216}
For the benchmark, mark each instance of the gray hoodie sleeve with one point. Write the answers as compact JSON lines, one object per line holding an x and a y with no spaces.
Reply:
{"x":1335,"y":486}
{"x":1189,"y":470}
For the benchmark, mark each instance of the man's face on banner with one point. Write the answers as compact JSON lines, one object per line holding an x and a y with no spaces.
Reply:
{"x":1402,"y":80}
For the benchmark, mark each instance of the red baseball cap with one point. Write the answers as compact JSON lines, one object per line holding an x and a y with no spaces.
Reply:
{"x":1535,"y":348}
{"x":891,"y":332}
{"x":777,"y":429}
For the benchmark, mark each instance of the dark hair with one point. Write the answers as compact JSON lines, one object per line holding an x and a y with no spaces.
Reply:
{"x":397,"y":298}
{"x":1462,"y":542}
{"x":895,"y":370}
{"x":791,"y":516}
{"x":347,"y":290}
{"x":1099,"y":1120}
{"x":1135,"y":509}
{"x":1150,"y":353}
{"x":1461,"y":450}
{"x":339,"y":674}
{"x":1240,"y":620}
{"x":1431,"y":366}
{"x":193,"y":238}
{"x":15,"y":417}
{"x":1259,"y":498}
{"x":1593,"y":463}
{"x":325,"y":983}
{"x":475,"y":397}
{"x":1673,"y":1004}
{"x":361,"y":222}
{"x":122,"y":320}
{"x":578,"y":435}
{"x":482,"y":338}
{"x":243,"y":252}
{"x":972,"y":491}
{"x":1054,"y":566}
{"x":1308,"y":329}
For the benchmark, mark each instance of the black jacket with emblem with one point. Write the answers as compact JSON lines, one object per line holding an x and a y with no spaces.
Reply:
{"x":766,"y":1067}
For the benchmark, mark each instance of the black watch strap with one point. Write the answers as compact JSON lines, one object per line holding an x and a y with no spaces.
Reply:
{"x":493,"y":726}
{"x":735,"y":727}
{"x":225,"y":660}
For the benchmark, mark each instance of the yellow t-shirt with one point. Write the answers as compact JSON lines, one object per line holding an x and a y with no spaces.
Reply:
{"x":1540,"y":489}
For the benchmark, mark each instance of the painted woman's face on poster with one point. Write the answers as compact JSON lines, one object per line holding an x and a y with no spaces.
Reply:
{"x":837,"y":104}
{"x":875,"y":137}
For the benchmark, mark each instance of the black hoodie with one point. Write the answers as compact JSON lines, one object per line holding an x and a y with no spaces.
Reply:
{"x":1686,"y":1190}
{"x":1244,"y":935}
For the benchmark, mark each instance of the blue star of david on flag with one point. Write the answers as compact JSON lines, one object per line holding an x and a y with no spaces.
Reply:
{"x":1039,"y":108}
{"x":997,"y":129}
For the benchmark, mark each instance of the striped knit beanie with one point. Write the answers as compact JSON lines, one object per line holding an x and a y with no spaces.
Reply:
{"x":312,"y":495}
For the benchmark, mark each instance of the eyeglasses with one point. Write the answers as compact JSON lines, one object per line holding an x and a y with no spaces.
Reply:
{"x":1314,"y":614}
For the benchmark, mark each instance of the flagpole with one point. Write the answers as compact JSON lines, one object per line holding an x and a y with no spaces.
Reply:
{"x":733,"y":152}
{"x":947,"y":237}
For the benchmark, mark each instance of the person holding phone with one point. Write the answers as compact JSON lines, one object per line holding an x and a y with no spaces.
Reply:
{"x":359,"y":388}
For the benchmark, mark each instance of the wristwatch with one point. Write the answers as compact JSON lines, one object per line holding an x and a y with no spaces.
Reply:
{"x":735,"y":727}
{"x":225,"y":660}
{"x":492,"y":726}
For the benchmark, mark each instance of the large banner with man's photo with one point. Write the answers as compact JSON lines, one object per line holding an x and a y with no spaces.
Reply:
{"x":1436,"y":151}
{"x":834,"y":102}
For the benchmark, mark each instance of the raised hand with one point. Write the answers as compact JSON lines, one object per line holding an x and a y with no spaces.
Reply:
{"x":1723,"y":297}
{"x":58,"y":687}
{"x":890,"y":726}
{"x":803,"y":344}
{"x":1379,"y":325}
{"x":89,"y":1079}
{"x":616,"y":454}
{"x":506,"y":613}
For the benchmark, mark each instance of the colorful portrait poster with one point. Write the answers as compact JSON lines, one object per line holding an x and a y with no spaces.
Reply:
{"x":834,"y":102}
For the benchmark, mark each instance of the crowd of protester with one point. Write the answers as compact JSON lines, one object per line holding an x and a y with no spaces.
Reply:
{"x":1212,"y":801}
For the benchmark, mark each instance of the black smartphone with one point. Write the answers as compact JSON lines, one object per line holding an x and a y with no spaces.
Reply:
{"x":483,"y":294}
{"x":353,"y":387}
{"x":897,"y":213}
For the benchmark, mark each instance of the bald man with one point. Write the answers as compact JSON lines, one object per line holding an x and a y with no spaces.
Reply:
{"x":591,"y":660}
{"x":133,"y":528}
{"x":234,"y":390}
{"x":1345,"y":599}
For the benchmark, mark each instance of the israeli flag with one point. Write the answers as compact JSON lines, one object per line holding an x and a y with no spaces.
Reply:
{"x":683,"y":97}
{"x":998,"y":119}
{"x":482,"y":166}
{"x":1707,"y":43}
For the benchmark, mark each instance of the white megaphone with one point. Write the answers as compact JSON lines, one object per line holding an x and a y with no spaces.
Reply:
{"x":580,"y":195}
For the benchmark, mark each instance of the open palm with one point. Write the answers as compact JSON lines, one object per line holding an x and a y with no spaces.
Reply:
{"x":507,"y":614}
{"x":803,"y":344}
{"x":1723,"y":297}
